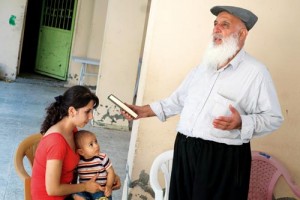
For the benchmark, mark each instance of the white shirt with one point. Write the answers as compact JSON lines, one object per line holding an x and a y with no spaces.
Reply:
{"x":206,"y":94}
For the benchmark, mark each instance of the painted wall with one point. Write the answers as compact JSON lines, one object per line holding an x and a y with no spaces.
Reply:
{"x":121,"y":49}
{"x":178,"y":33}
{"x":88,"y":38}
{"x":11,"y":31}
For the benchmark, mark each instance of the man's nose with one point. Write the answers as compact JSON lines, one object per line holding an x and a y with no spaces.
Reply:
{"x":216,"y":29}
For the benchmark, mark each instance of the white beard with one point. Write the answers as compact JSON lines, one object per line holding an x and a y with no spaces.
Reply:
{"x":217,"y":55}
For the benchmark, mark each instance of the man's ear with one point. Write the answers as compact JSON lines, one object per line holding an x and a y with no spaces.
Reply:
{"x":243,"y":34}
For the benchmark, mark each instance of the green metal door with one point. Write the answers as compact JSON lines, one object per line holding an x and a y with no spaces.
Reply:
{"x":55,"y":38}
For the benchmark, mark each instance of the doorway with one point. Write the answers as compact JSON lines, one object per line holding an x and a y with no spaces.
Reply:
{"x":30,"y":37}
{"x":47,"y":38}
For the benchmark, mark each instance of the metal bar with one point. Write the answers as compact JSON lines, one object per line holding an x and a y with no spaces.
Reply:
{"x":69,"y":15}
{"x":61,"y":17}
{"x":52,"y":12}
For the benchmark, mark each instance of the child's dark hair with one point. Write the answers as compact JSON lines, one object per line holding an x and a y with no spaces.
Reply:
{"x":78,"y":137}
{"x":76,"y":96}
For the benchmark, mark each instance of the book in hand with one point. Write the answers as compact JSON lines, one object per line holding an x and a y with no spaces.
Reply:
{"x":121,"y":105}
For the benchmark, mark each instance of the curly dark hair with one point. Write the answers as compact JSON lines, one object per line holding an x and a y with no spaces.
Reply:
{"x":77,"y":96}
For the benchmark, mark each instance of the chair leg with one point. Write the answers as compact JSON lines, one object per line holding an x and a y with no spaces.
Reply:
{"x":27,"y":193}
{"x":82,"y":73}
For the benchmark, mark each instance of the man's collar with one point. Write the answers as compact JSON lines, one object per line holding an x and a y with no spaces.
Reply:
{"x":234,"y":63}
{"x":237,"y":59}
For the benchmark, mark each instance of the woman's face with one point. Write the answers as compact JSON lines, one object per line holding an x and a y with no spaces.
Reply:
{"x":84,"y":115}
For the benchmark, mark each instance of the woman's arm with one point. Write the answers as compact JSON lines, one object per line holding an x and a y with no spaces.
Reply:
{"x":55,"y":188}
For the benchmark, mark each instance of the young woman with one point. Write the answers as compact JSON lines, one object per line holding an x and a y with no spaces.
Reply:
{"x":56,"y":158}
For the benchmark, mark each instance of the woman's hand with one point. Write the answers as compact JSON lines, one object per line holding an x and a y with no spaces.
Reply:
{"x":117,"y":183}
{"x":108,"y":191}
{"x":91,"y":186}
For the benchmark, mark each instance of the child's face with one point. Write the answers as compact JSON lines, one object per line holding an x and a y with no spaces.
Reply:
{"x":89,"y":146}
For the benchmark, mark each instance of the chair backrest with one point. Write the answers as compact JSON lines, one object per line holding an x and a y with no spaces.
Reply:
{"x":26,"y":149}
{"x":265,"y":172}
{"x":163,"y":162}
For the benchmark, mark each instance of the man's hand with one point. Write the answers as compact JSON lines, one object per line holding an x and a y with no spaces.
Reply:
{"x":230,"y":122}
{"x":141,"y":111}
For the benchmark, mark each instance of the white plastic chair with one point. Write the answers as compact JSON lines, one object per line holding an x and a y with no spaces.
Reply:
{"x":162,"y":162}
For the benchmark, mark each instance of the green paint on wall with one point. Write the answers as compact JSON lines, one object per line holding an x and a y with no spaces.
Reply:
{"x":12,"y":20}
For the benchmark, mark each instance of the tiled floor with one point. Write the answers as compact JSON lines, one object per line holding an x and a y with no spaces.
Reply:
{"x":22,"y":109}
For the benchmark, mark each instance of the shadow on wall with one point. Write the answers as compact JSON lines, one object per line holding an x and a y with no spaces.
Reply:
{"x":0,"y":70}
{"x":112,"y":115}
{"x":3,"y":76}
{"x":142,"y":184}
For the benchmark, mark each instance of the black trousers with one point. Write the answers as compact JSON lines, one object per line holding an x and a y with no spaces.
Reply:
{"x":206,"y":170}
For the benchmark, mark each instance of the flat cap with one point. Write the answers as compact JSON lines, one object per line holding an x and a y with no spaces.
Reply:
{"x":246,"y":16}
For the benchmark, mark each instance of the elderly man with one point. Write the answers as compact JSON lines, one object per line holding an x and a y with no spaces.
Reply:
{"x":223,"y":103}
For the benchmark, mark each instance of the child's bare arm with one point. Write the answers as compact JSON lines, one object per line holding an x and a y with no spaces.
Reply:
{"x":110,"y":181}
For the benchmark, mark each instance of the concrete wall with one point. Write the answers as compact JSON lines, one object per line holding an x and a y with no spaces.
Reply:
{"x":178,"y":33}
{"x":12,"y":14}
{"x":88,"y":38}
{"x":121,"y":49}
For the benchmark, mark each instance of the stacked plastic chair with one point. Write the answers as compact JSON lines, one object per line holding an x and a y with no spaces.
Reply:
{"x":163,"y":163}
{"x":265,"y":172}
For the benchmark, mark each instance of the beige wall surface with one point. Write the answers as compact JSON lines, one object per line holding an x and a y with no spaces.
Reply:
{"x":178,"y":33}
{"x":87,"y":38}
{"x":12,"y":14}
{"x":123,"y":36}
